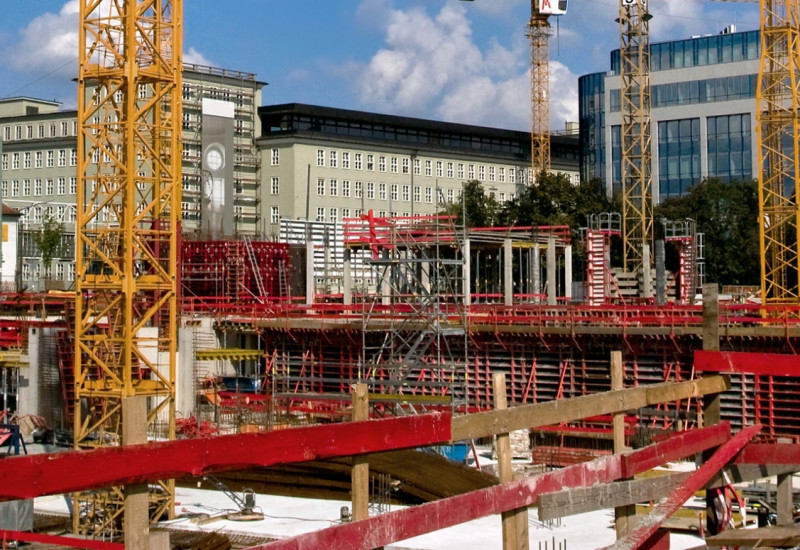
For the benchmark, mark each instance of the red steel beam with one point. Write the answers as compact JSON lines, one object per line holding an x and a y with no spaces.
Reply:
{"x":417,"y":520}
{"x":649,"y":526}
{"x":70,"y":542}
{"x":45,"y":474}
{"x":742,"y":362}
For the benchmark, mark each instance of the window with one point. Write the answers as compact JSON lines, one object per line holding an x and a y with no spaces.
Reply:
{"x":393,"y":165}
{"x":64,"y":128}
{"x":15,"y":161}
{"x":62,"y":186}
{"x":333,"y":186}
{"x":73,"y":157}
{"x":357,"y":161}
{"x":406,"y":166}
{"x":370,"y":190}
{"x":274,"y":215}
{"x":142,"y":91}
{"x":26,"y":162}
{"x":18,"y":132}
{"x":5,"y":188}
{"x":60,"y":271}
{"x":501,"y":174}
{"x":26,"y":188}
{"x":439,"y":169}
{"x":417,"y":193}
{"x":14,"y":188}
{"x":382,"y":191}
{"x":471,"y":172}
{"x":49,"y":188}
{"x":29,"y":131}
{"x":5,"y":161}
{"x":62,"y":157}
{"x":394,"y":192}
{"x":333,"y":215}
{"x":450,"y":195}
{"x":26,"y":271}
{"x":345,"y":213}
{"x":512,"y":175}
{"x":38,"y":159}
{"x":320,"y":214}
{"x":406,"y":193}
{"x":460,"y":172}
{"x":275,"y":187}
{"x":37,"y":187}
{"x":417,"y":167}
{"x":482,"y":172}
{"x":41,"y":131}
{"x":449,"y":169}
{"x":75,"y":126}
{"x":320,"y":157}
{"x":428,"y":168}
{"x":7,"y":133}
{"x":334,"y":159}
{"x":382,"y":163}
{"x":370,"y":162}
{"x":321,"y":187}
{"x":73,"y":185}
{"x":429,"y":195}
{"x":50,"y":159}
{"x":52,"y":130}
{"x":345,"y":188}
{"x":275,"y":157}
{"x":730,"y":147}
{"x":358,"y":189}
{"x":71,"y":271}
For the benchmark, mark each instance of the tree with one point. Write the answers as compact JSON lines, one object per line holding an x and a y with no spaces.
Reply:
{"x":49,"y":242}
{"x":481,"y":209}
{"x":727,"y":213}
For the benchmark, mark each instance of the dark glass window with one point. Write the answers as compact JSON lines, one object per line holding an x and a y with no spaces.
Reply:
{"x":678,"y":156}
{"x":730,"y":147}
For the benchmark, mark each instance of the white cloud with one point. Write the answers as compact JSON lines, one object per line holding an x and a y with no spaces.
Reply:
{"x":432,"y":67}
{"x":195,"y":57}
{"x":49,"y":44}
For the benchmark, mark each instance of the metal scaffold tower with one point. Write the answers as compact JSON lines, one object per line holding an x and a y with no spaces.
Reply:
{"x":778,"y":134}
{"x":539,"y":34}
{"x":129,"y":163}
{"x":637,"y":209}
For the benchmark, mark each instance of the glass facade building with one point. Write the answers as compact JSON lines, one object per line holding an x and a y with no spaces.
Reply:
{"x":703,"y":93}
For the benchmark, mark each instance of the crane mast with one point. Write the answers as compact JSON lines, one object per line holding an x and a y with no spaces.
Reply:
{"x":539,"y":35}
{"x":636,"y":158}
{"x":128,"y":207}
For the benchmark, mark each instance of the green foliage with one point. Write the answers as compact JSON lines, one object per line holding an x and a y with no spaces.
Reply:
{"x":481,"y":208}
{"x":727,"y":213}
{"x":49,"y":242}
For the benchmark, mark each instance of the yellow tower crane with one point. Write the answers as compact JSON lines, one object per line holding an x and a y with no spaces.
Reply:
{"x":128,"y":210}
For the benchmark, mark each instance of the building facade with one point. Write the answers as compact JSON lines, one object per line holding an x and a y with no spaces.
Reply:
{"x":703,"y":114}
{"x":39,"y":165}
{"x":326,"y":164}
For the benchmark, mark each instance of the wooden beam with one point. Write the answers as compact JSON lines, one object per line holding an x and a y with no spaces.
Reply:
{"x":774,"y":536}
{"x":770,"y":453}
{"x":418,"y":520}
{"x":650,"y":525}
{"x":46,"y":474}
{"x":359,"y":476}
{"x":623,"y":514}
{"x":484,"y":424}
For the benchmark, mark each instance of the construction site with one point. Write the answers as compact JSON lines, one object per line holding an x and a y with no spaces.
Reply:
{"x":370,"y":360}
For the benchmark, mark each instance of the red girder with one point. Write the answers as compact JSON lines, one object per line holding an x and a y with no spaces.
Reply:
{"x":70,"y":542}
{"x":647,"y":528}
{"x":417,"y":520}
{"x":36,"y":475}
{"x":765,"y":364}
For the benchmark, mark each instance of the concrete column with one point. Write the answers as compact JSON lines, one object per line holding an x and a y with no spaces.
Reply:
{"x":661,"y":274}
{"x":467,"y":255}
{"x":568,"y":272}
{"x":536,"y":272}
{"x":309,"y":271}
{"x":347,"y":279}
{"x":552,"y":273}
{"x":508,"y":273}
{"x":647,"y":275}
{"x":28,"y":390}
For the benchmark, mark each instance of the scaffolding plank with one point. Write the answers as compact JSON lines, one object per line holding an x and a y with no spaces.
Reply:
{"x":417,"y":520}
{"x":230,"y":354}
{"x":45,"y":474}
{"x":487,"y":423}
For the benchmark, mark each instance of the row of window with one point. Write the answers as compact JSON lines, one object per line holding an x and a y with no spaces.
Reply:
{"x":38,"y":159}
{"x":404,"y":165}
{"x":38,"y":187}
{"x":30,"y":131}
{"x":696,"y":91}
{"x":64,"y":271}
{"x":395,"y":192}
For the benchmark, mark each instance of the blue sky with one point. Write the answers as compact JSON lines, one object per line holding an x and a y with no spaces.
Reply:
{"x":440,"y":59}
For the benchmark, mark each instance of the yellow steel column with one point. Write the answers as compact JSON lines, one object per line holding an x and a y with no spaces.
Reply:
{"x":128,"y":203}
{"x":778,"y":134}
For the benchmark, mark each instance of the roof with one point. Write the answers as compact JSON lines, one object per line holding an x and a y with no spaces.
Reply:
{"x":9,"y":211}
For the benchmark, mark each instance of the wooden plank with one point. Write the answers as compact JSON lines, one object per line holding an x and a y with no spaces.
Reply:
{"x":418,"y":520}
{"x":46,"y":474}
{"x":774,"y":536}
{"x":649,"y":526}
{"x":621,"y":493}
{"x":623,"y":514}
{"x":136,"y":519}
{"x":488,"y":423}
{"x":515,"y":522}
{"x":360,"y":474}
